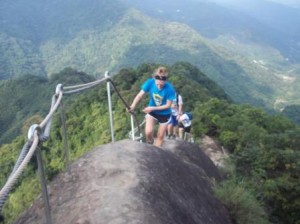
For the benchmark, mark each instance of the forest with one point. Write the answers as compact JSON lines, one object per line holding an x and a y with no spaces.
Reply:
{"x":262,"y":174}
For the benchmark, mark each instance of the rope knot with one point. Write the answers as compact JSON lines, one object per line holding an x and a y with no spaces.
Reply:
{"x":32,"y":129}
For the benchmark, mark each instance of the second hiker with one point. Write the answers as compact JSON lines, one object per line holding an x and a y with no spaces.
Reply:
{"x":176,"y":112}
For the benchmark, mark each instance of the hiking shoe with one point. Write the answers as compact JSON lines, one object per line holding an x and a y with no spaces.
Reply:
{"x":150,"y":142}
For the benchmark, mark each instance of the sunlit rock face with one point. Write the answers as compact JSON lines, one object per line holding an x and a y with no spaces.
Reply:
{"x":132,"y":182}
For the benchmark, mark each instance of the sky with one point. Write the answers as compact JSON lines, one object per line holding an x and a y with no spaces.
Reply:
{"x":293,"y":3}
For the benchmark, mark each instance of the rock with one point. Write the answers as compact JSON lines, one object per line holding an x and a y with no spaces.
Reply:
{"x":136,"y":183}
{"x":213,"y":150}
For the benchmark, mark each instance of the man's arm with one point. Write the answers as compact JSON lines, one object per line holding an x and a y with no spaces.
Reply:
{"x":137,"y":99}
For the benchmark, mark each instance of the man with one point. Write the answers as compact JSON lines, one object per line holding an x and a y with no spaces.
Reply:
{"x":176,"y":112}
{"x":185,"y":123}
{"x":158,"y":110}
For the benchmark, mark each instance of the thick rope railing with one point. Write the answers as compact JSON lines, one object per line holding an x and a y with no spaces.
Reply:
{"x":14,"y":176}
{"x":23,"y":158}
{"x":40,"y":133}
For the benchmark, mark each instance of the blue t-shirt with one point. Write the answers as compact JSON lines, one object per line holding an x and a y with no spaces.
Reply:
{"x":159,"y":97}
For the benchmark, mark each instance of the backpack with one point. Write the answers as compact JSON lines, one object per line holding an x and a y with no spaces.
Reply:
{"x":189,"y":115}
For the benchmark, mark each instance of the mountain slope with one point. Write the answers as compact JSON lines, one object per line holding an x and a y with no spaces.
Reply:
{"x":96,"y":36}
{"x":260,"y":36}
{"x":19,"y":103}
{"x":255,"y":138}
{"x":257,"y":21}
{"x":141,"y":39}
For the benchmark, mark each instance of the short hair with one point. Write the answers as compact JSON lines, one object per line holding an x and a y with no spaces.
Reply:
{"x":161,"y":71}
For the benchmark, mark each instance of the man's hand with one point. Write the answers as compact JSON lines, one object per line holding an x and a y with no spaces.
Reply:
{"x":147,"y":110}
{"x":130,"y":110}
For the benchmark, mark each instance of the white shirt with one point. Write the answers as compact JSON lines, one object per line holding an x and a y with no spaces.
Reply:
{"x":174,"y":106}
{"x":184,"y":119}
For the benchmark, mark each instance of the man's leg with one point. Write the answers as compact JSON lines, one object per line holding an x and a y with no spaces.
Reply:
{"x":170,"y":130}
{"x":149,"y":126}
{"x":160,"y":134}
{"x":181,"y":131}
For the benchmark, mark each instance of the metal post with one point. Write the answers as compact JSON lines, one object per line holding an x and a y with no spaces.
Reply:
{"x":43,"y":184}
{"x":110,"y":108}
{"x":64,"y":127}
{"x":132,"y":128}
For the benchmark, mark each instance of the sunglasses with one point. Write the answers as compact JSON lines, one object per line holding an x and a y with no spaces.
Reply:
{"x":162,"y":78}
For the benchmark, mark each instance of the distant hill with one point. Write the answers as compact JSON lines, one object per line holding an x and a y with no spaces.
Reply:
{"x":243,"y":54}
{"x":257,"y":21}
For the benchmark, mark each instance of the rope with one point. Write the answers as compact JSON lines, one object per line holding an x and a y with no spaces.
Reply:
{"x":47,"y":128}
{"x":41,"y":132}
{"x":136,"y":129}
{"x":10,"y":182}
{"x":83,"y":86}
{"x":21,"y":161}
{"x":126,"y":105}
{"x":16,"y":166}
{"x":52,"y":110}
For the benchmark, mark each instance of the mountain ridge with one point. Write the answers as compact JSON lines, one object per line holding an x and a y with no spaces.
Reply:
{"x":123,"y":37}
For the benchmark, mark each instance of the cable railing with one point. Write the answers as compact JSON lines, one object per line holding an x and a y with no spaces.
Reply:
{"x":39,"y":133}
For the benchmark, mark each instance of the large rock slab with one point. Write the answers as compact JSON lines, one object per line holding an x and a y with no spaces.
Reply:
{"x":133,"y":182}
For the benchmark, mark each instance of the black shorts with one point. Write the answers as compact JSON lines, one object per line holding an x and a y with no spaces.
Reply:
{"x":162,"y":119}
{"x":186,"y":129}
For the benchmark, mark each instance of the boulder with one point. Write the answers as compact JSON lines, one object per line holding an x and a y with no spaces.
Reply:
{"x":136,"y":183}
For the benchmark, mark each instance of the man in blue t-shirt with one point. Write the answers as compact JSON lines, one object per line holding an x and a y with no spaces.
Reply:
{"x":162,"y":94}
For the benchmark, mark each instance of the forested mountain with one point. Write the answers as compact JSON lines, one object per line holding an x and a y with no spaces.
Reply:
{"x":251,"y":21}
{"x":243,"y":54}
{"x":216,"y":54}
{"x":28,"y":96}
{"x":264,"y":149}
{"x":262,"y":37}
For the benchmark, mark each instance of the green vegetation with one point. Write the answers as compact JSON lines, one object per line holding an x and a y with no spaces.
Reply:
{"x":242,"y":205}
{"x":263,"y":148}
{"x":29,"y":95}
{"x":292,"y":112}
{"x":20,"y":99}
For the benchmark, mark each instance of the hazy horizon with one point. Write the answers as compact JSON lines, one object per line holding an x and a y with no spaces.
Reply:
{"x":291,"y":3}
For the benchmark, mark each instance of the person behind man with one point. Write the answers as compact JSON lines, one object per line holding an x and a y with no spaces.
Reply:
{"x":162,"y":94}
{"x":184,"y":125}
{"x":176,"y":112}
